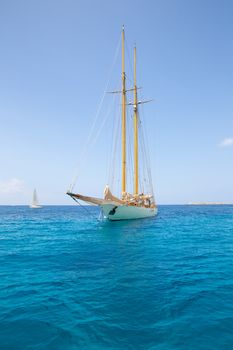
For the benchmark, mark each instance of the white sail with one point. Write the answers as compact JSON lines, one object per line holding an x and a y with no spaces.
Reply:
{"x":35,"y":203}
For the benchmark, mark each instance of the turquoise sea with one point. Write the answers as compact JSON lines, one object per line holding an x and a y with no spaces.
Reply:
{"x":69,"y":281}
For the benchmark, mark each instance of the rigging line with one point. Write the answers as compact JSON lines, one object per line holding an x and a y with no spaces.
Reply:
{"x":142,"y":178}
{"x":115,"y":142}
{"x":146,"y":167}
{"x":144,"y":130}
{"x":96,"y":136}
{"x":108,"y":113}
{"x":143,"y":168}
{"x":129,"y":61}
{"x":113,"y":138}
{"x":147,"y":163}
{"x":130,"y":151}
{"x":91,"y":144}
{"x":114,"y":173}
{"x":146,"y":149}
{"x":84,"y":208}
{"x":110,"y":150}
{"x":116,"y":170}
{"x":97,"y":113}
{"x":102,"y":125}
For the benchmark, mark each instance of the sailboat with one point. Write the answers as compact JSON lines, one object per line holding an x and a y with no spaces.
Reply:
{"x":35,"y":203}
{"x":134,"y":205}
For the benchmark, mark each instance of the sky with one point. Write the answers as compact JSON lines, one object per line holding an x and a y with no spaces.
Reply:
{"x":56,"y":57}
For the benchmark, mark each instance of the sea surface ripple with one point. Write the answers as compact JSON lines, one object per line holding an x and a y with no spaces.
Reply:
{"x":70,"y":281}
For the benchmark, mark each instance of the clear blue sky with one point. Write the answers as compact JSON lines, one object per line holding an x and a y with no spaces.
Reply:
{"x":54,"y":62}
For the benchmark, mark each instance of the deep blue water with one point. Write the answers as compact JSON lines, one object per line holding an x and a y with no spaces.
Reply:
{"x":68,"y":281}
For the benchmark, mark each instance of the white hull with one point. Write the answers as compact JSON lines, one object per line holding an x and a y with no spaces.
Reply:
{"x":35,"y":206}
{"x":126,"y":212}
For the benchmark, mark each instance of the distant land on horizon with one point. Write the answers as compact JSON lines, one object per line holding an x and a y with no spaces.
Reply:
{"x":210,"y":203}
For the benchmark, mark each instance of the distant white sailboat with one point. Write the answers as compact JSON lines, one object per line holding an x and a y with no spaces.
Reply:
{"x":35,"y":203}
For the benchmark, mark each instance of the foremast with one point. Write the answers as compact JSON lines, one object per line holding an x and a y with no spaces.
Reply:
{"x":135,"y":104}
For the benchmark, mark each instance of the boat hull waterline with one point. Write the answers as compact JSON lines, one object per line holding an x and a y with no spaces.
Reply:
{"x":126,"y":212}
{"x":35,"y":206}
{"x":115,"y":209}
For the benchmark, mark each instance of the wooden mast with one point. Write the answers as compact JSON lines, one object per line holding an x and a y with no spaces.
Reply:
{"x":123,"y":116}
{"x":135,"y":128}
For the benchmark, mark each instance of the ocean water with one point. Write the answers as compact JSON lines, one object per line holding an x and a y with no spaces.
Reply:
{"x":69,"y":281}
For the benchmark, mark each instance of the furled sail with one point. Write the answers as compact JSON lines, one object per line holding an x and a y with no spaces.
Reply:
{"x":108,"y":198}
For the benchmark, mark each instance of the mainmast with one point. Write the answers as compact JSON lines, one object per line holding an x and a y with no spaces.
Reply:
{"x":135,"y":128}
{"x":123,"y":116}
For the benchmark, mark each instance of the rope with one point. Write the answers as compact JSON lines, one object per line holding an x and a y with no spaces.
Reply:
{"x":84,"y":208}
{"x":115,"y":143}
{"x":84,"y":152}
{"x":129,"y":62}
{"x":146,"y":159}
{"x":130,"y":170}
